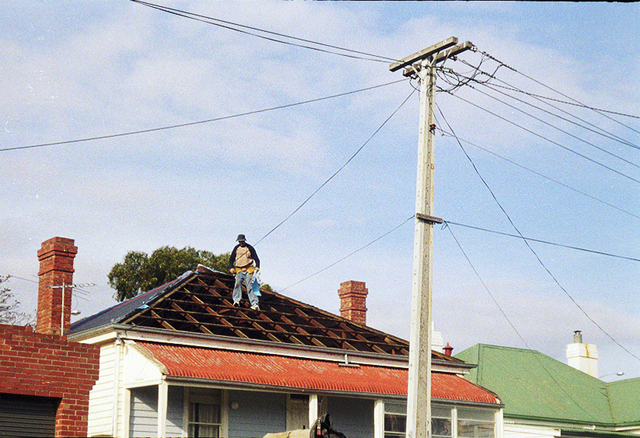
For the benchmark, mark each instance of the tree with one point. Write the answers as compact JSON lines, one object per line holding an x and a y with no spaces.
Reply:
{"x":9,"y":313}
{"x":139,"y":272}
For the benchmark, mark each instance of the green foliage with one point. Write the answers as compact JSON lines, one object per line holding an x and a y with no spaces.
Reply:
{"x":140,"y":272}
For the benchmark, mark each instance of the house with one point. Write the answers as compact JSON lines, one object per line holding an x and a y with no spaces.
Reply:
{"x":45,"y":379}
{"x":180,"y":360}
{"x":545,"y":398}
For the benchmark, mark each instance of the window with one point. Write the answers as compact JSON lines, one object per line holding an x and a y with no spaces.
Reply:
{"x":204,"y":413}
{"x":471,"y":422}
{"x":476,"y":423}
{"x":441,"y":422}
{"x":395,"y":419}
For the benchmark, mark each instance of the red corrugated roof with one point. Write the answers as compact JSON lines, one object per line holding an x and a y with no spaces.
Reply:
{"x":271,"y":370}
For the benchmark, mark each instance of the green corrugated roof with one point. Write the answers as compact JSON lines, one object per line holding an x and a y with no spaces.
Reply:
{"x":624,"y":397}
{"x":537,"y":387}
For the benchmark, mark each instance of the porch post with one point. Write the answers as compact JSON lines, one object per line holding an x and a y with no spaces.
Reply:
{"x":378,"y":419}
{"x":163,"y":396}
{"x":314,"y":409}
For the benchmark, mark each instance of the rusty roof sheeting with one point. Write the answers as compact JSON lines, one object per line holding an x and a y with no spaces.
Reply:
{"x":304,"y":374}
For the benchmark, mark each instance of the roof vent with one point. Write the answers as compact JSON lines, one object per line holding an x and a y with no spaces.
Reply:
{"x":577,"y":337}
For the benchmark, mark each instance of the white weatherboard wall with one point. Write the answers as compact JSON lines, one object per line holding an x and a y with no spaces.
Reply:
{"x":101,"y":395}
{"x":256,"y":413}
{"x":511,"y":430}
{"x":143,"y":419}
{"x":122,"y":366}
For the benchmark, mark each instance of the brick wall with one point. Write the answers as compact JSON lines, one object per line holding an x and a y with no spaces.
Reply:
{"x":56,"y":277}
{"x":44,"y":365}
{"x":353,"y":301}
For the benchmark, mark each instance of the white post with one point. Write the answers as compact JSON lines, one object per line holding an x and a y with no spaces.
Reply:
{"x":314,"y":409}
{"x":378,"y":419}
{"x":163,"y":401}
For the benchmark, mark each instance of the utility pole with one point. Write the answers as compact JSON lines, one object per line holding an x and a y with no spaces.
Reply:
{"x":422,"y":65}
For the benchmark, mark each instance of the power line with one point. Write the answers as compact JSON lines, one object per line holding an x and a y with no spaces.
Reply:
{"x":549,"y":140}
{"x":349,"y":255}
{"x":546,"y":242}
{"x":200,"y":122}
{"x":554,"y":127}
{"x":339,"y":169}
{"x":504,"y":314}
{"x":541,"y":175}
{"x":601,"y":112}
{"x":596,"y":129}
{"x":553,"y":277}
{"x":236,"y":27}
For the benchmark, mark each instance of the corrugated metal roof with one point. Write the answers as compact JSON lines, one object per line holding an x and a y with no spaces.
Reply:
{"x":117,"y":313}
{"x":304,"y":374}
{"x":535,"y":386}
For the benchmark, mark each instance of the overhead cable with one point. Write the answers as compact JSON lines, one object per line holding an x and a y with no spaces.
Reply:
{"x":601,"y":112}
{"x":549,"y":140}
{"x":200,"y":122}
{"x":337,"y":171}
{"x":532,"y":352}
{"x":537,"y":257}
{"x":546,"y":242}
{"x":540,"y":174}
{"x":254,"y":31}
{"x":543,"y":99}
{"x":349,"y":255}
{"x":557,"y":128}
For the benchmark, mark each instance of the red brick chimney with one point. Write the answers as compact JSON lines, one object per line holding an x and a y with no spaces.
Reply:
{"x":56,"y":270}
{"x":353,"y":301}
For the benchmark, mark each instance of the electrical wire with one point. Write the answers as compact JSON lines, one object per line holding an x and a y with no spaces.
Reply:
{"x":549,"y":140}
{"x":350,"y":53}
{"x":601,"y":112}
{"x":546,"y":242}
{"x":537,"y":257}
{"x":608,"y":204}
{"x":200,"y":122}
{"x":349,"y":255}
{"x":594,"y":129}
{"x":555,"y":127}
{"x":515,"y":329}
{"x":339,"y":169}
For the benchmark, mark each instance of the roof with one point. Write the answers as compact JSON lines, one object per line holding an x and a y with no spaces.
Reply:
{"x":304,"y":374}
{"x":201,"y":302}
{"x":534,"y":386}
{"x":624,"y":398}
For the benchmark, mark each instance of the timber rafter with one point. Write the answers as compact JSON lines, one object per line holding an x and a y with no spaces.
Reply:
{"x":203,"y":304}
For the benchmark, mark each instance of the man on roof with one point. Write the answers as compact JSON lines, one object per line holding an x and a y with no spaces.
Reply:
{"x":244,"y":264}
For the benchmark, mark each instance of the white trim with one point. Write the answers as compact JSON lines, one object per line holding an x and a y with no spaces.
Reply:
{"x":118,"y":348}
{"x":378,"y":419}
{"x":163,"y":401}
{"x":127,"y":413}
{"x":314,"y":408}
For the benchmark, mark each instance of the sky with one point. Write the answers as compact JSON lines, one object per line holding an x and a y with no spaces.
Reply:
{"x":325,"y":188}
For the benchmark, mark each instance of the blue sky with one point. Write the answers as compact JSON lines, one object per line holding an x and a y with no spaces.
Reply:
{"x":84,"y":69}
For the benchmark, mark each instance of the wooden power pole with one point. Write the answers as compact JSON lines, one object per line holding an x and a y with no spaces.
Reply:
{"x":423,"y":65}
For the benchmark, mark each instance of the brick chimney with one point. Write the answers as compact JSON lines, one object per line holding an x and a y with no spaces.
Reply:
{"x":353,"y":301}
{"x":56,"y":270}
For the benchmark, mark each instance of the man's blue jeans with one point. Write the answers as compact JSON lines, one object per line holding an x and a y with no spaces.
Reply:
{"x":237,"y":289}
